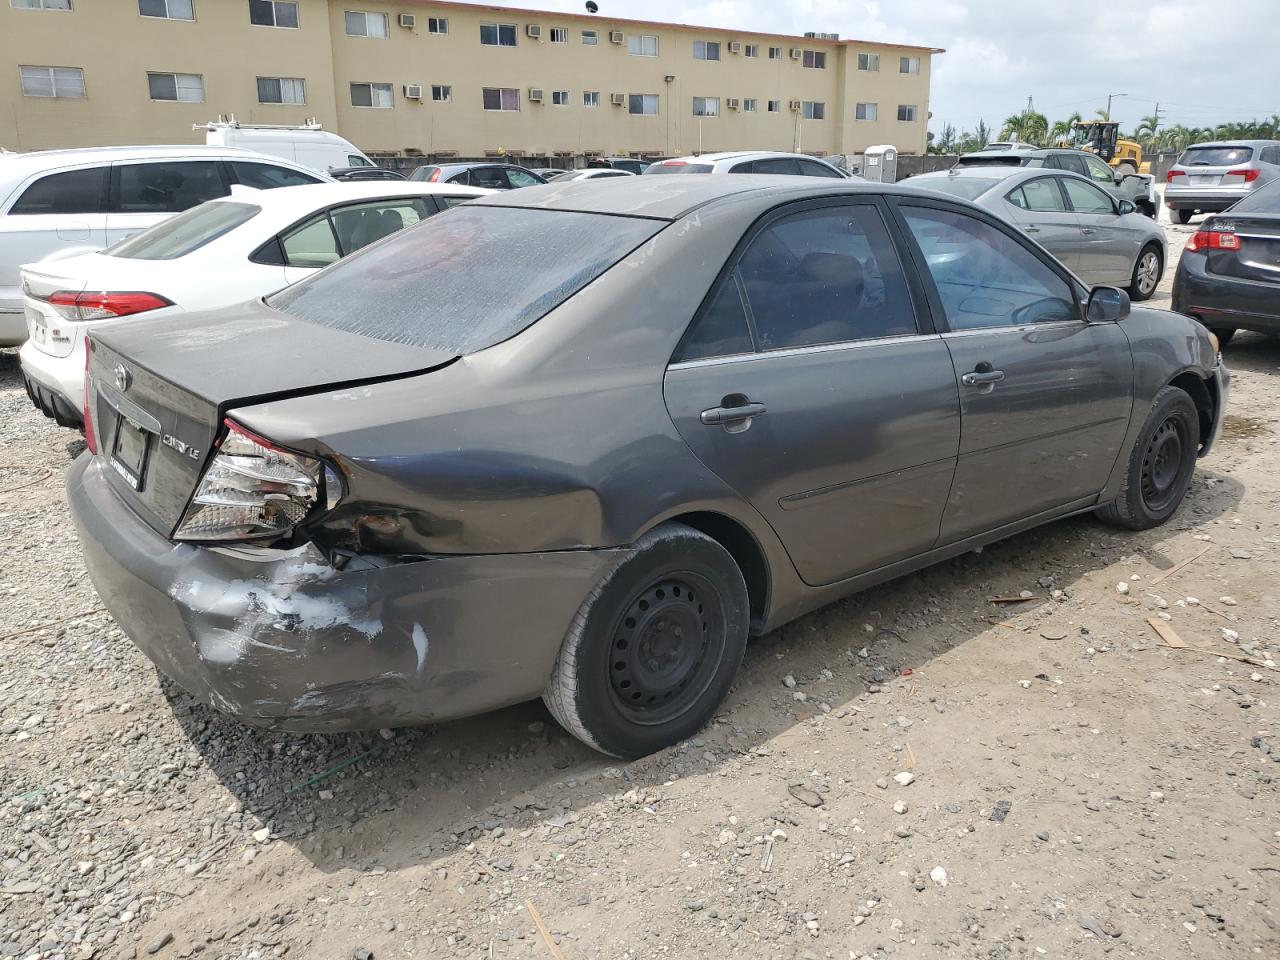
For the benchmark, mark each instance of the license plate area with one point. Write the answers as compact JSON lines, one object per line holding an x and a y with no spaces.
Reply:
{"x":1204,"y":180}
{"x":130,"y":451}
{"x":37,"y":326}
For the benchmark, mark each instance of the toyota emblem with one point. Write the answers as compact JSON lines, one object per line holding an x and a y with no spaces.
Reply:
{"x":123,"y":377}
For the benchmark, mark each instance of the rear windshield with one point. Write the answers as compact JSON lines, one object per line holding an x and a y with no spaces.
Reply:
{"x":679,"y":168}
{"x":1266,"y":200}
{"x":968,"y":188}
{"x":1215,"y":156}
{"x":466,"y":279}
{"x":992,"y":161}
{"x":188,"y":231}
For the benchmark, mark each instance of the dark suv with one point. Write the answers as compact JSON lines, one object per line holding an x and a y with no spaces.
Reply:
{"x":492,"y":176}
{"x":1137,"y":188}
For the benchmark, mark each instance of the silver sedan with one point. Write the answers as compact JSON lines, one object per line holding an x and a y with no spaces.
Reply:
{"x":1101,"y":239}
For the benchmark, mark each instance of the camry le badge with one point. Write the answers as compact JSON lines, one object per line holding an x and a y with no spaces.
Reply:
{"x":123,"y":377}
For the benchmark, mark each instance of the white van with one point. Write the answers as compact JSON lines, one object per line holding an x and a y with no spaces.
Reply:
{"x":308,"y":144}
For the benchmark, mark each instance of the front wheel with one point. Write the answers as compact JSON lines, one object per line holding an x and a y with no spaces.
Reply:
{"x":1147,"y":270}
{"x":1224,"y":334}
{"x":655,"y":646}
{"x":1160,"y":465}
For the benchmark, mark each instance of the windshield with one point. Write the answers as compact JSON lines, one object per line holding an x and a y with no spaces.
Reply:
{"x":466,"y":279}
{"x":1266,"y":200}
{"x":967,"y":188}
{"x":678,"y":168}
{"x":1215,"y":156}
{"x":185,"y":233}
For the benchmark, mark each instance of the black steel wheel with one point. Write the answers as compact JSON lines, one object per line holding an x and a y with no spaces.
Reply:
{"x":1163,"y":464}
{"x":1160,"y":465}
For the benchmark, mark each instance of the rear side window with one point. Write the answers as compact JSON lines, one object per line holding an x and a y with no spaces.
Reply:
{"x":778,"y":165}
{"x":1270,"y":155}
{"x":722,"y":329}
{"x":1215,"y":156}
{"x":423,"y":173}
{"x":266,"y":176}
{"x":185,"y":233}
{"x":313,"y":244}
{"x":168,"y":187}
{"x":73,"y":191}
{"x":361,"y":224}
{"x":811,"y":168}
{"x":468,"y":279}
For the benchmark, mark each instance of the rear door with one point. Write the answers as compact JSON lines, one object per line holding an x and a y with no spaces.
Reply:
{"x":1111,"y":245}
{"x":808,"y":384}
{"x":1044,"y":397}
{"x":143,"y":193}
{"x":1040,"y":210}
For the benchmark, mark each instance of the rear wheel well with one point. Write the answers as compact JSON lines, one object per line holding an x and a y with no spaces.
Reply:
{"x":744,"y":549}
{"x":1195,"y":387}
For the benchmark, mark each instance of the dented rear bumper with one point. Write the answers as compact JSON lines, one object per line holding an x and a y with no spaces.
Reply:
{"x":283,"y":639}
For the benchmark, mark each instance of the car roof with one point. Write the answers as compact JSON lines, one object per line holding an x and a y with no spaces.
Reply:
{"x":22,"y":164}
{"x":996,"y":172}
{"x":300,"y":200}
{"x":1232,"y":143}
{"x":742,"y":155}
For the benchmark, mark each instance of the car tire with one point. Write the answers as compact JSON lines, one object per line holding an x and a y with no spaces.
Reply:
{"x":1125,"y":169}
{"x":1224,"y":334}
{"x":1181,"y":216}
{"x":624,"y":683}
{"x":1147,"y":271}
{"x":1161,"y":463}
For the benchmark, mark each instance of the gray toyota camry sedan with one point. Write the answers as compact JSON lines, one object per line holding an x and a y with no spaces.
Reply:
{"x":580,"y":441}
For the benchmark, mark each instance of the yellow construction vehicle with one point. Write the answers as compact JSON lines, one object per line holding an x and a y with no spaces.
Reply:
{"x":1102,"y":137}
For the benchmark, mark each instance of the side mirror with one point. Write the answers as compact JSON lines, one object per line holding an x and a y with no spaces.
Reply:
{"x":1107,"y":305}
{"x":1127,"y":206}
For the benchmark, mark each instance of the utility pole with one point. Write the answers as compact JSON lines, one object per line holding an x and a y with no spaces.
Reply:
{"x":1109,"y":96}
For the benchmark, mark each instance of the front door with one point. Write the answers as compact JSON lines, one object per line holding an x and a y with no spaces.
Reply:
{"x":1040,"y":210}
{"x":808,"y":386}
{"x":1045,"y":397}
{"x":1110,"y":247}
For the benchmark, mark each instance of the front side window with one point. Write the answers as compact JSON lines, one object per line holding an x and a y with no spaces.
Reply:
{"x":642,"y":104}
{"x":377,"y":95}
{"x":521,"y":178}
{"x":441,"y":92}
{"x":498,"y":34}
{"x":591,"y":98}
{"x":869,"y":61}
{"x":706,"y":106}
{"x":865,"y":111}
{"x":984,"y":277}
{"x":169,"y":186}
{"x":815,"y":59}
{"x":185,"y":233}
{"x":706,"y":50}
{"x":812,"y":168}
{"x":1086,"y":198}
{"x":267,"y":176}
{"x":1039,"y":196}
{"x":775,"y":53}
{"x":274,"y":13}
{"x":1099,"y":172}
{"x":814,"y":110}
{"x":559,"y":35}
{"x":167,"y":9}
{"x":438,"y":25}
{"x":282,"y":90}
{"x":182,"y":87}
{"x":907,"y":112}
{"x":500,"y":98}
{"x":59,"y":82}
{"x":559,"y":98}
{"x":640,"y":45}
{"x":72,"y":191}
{"x":361,"y":24}
{"x":908,"y":64}
{"x":40,"y":4}
{"x":590,"y":38}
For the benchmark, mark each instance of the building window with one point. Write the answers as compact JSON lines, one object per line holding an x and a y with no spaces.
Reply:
{"x":815,"y":59}
{"x":706,"y":106}
{"x":751,"y":51}
{"x":749,"y":105}
{"x":775,"y":106}
{"x":501,"y":98}
{"x":706,"y":50}
{"x":377,"y":95}
{"x":639,"y":45}
{"x":590,"y":38}
{"x":40,"y":5}
{"x":775,"y":53}
{"x":441,"y":92}
{"x":61,"y":82}
{"x":864,"y":111}
{"x":591,"y":98}
{"x":642,"y":104}
{"x":907,"y":113}
{"x":559,"y":98}
{"x":282,"y":90}
{"x":559,"y":35}
{"x":498,"y":34}
{"x":869,"y":61}
{"x":183,"y":87}
{"x":361,"y":24}
{"x":909,"y":65}
{"x":165,"y":9}
{"x":814,"y":110}
{"x":438,"y":25}
{"x":274,"y":13}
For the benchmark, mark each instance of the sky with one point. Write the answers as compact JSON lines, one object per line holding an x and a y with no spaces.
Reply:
{"x":1202,"y":63}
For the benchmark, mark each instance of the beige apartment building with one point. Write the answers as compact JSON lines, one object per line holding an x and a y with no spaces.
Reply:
{"x":438,"y":78}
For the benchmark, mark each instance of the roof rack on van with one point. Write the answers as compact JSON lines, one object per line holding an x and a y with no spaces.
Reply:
{"x":229,"y":120}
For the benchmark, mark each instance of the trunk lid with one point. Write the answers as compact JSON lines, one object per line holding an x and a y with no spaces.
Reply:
{"x":160,"y":388}
{"x":1258,"y":256}
{"x":1207,"y":166}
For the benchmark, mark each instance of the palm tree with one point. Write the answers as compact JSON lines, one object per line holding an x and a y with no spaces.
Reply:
{"x":1062,"y":130}
{"x":1145,"y":131}
{"x":1027,"y":126}
{"x":982,"y":134}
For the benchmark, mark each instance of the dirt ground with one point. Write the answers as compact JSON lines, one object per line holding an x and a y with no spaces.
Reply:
{"x":1079,"y":787}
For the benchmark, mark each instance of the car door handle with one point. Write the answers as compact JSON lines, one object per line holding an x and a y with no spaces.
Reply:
{"x":734,"y":414}
{"x":980,"y":378}
{"x":1088,"y":231}
{"x":1032,"y":228}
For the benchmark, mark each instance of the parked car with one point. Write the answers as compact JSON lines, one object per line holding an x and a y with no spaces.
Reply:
{"x":1209,"y":177}
{"x":546,"y":173}
{"x":629,"y":164}
{"x":1229,"y":273}
{"x":491,"y":176}
{"x":1138,"y":188}
{"x":366,"y":173}
{"x":377,"y":499}
{"x":68,"y":201}
{"x":759,"y":161}
{"x":221,"y":252}
{"x":1099,"y":238}
{"x":596,"y":174}
{"x":308,"y":144}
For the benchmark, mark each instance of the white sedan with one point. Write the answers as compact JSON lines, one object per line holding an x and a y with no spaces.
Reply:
{"x":222,"y":252}
{"x":594,"y":173}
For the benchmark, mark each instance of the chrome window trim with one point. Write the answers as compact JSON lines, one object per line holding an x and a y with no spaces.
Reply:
{"x":836,"y":347}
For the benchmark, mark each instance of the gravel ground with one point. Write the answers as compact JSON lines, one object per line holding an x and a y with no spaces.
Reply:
{"x":913,"y":772}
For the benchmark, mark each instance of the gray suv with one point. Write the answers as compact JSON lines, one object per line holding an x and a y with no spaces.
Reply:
{"x":1209,"y":177}
{"x":1137,"y":188}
